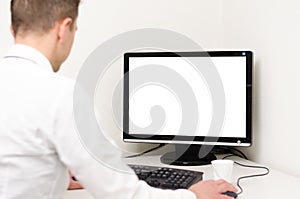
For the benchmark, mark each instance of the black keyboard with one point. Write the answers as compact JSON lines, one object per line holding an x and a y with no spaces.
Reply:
{"x":167,"y":178}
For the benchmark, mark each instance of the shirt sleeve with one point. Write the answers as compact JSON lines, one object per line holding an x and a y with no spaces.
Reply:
{"x":97,"y":172}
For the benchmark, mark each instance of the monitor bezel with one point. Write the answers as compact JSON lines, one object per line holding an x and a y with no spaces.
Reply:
{"x":199,"y":140}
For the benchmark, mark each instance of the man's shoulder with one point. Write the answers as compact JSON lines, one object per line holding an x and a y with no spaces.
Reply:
{"x":61,"y":79}
{"x":60,"y":83}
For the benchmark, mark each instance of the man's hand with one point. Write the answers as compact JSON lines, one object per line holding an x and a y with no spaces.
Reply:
{"x":212,"y":189}
{"x":73,"y":183}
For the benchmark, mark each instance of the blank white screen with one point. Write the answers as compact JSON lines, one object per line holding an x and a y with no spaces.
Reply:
{"x":232,"y":71}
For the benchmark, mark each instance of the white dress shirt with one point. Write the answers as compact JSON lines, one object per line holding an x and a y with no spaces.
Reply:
{"x":38,"y":139}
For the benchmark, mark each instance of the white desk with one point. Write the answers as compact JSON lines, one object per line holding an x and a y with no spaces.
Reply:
{"x":276,"y":185}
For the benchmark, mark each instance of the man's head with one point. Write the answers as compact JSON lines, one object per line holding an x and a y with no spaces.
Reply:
{"x":40,"y":15}
{"x":48,"y":25}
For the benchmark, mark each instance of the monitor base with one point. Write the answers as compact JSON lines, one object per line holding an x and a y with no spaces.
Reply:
{"x":189,"y":157}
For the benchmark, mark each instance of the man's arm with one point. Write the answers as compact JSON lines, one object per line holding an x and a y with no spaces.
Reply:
{"x":100,"y":178}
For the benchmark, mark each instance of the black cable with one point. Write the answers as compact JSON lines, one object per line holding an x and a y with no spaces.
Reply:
{"x":229,"y":150}
{"x":248,"y":176}
{"x":239,"y":151}
{"x":145,"y":152}
{"x":231,"y":155}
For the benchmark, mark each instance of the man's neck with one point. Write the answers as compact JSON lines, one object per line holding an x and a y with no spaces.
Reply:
{"x":44,"y":44}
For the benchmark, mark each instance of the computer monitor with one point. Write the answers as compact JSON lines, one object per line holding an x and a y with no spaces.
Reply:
{"x":194,"y":100}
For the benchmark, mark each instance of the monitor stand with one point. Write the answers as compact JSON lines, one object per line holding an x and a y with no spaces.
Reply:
{"x":189,"y":155}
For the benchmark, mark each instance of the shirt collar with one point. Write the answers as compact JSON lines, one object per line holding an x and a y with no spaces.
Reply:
{"x":29,"y":53}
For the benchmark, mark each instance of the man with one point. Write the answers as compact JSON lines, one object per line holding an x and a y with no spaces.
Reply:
{"x":38,"y":139}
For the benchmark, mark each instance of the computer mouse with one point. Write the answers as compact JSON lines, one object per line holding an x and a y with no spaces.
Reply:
{"x":231,"y":194}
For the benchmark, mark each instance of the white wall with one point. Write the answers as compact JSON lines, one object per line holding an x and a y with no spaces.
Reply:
{"x":6,"y":40}
{"x":100,"y":21}
{"x":270,"y":28}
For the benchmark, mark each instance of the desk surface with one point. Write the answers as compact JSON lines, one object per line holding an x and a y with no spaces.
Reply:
{"x":275,"y":185}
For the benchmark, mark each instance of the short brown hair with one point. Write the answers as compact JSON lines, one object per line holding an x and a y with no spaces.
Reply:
{"x":41,"y":15}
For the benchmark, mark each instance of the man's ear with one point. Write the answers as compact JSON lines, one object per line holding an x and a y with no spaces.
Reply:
{"x":63,"y":26}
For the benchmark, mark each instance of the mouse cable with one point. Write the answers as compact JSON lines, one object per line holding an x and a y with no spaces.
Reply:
{"x":145,"y":152}
{"x":248,"y":176}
